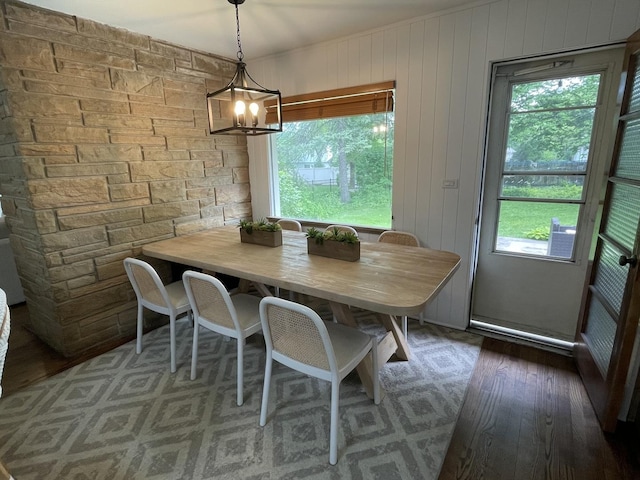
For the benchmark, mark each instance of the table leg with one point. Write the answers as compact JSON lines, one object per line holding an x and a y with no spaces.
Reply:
{"x":389,"y":322}
{"x":343,"y":314}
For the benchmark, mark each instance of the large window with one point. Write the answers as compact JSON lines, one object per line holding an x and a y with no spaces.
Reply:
{"x":333,"y":158}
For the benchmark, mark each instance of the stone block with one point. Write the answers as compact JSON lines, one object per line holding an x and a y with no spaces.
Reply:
{"x":73,"y":91}
{"x":66,"y":272}
{"x":110,"y":270}
{"x":112,"y":34}
{"x":237,"y":211}
{"x":129,"y":191}
{"x":153,"y":154}
{"x":188,"y":228}
{"x":80,"y":308}
{"x":23,"y":52}
{"x":60,"y":160}
{"x":147,"y":232}
{"x":196,"y":101}
{"x":46,"y":149}
{"x":34,"y":15}
{"x":190,"y":143}
{"x":60,"y":192}
{"x":99,"y":207}
{"x":136,"y":82}
{"x":86,"y":170}
{"x":22,"y":104}
{"x":104,"y":106}
{"x":213,"y":157}
{"x":71,"y":222}
{"x":82,"y":237}
{"x":233,"y":194}
{"x":67,"y":134}
{"x":92,"y":57}
{"x":171,"y":191}
{"x":170,"y":50}
{"x":213,"y":65}
{"x":158,"y":111}
{"x":195,"y":86}
{"x":179,"y":132}
{"x":150,"y":171}
{"x":83,"y":70}
{"x":107,"y":153}
{"x":74,"y":80}
{"x":137,"y":138}
{"x":170,"y":211}
{"x":152,"y":59}
{"x":213,"y":211}
{"x":241,"y":175}
{"x":116,"y":121}
{"x":46,"y":221}
{"x":83,"y":281}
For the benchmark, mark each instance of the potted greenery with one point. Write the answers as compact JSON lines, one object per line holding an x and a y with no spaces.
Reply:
{"x":333,"y":243}
{"x":261,"y":232}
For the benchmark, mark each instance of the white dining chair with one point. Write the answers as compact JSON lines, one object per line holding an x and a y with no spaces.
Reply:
{"x":401,"y":238}
{"x":152,"y":294}
{"x":292,"y":225}
{"x":341,"y":228}
{"x":5,"y":328}
{"x":297,"y":337}
{"x":236,"y":316}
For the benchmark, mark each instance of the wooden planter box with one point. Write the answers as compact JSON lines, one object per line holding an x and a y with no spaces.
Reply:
{"x":262,"y":237}
{"x":332,"y":249}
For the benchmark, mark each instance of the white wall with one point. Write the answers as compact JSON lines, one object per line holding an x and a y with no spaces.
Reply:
{"x":441,"y":64}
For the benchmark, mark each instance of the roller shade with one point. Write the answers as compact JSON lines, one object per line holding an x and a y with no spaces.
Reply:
{"x":341,"y":102}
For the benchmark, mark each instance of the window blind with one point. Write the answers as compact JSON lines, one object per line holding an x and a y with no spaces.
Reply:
{"x":341,"y":102}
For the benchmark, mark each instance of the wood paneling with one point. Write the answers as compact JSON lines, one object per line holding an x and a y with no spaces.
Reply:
{"x":441,"y":64}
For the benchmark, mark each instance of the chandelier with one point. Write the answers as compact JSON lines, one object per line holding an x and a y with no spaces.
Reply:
{"x":244,"y":107}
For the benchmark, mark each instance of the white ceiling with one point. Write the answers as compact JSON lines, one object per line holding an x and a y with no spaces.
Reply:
{"x":266,"y":26}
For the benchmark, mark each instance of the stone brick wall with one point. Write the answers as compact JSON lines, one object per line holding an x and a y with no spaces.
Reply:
{"x":103,"y":148}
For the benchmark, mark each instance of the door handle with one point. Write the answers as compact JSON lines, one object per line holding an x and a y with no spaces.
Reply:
{"x":624,"y":260}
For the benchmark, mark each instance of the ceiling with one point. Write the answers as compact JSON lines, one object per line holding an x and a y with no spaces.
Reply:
{"x":266,"y":26}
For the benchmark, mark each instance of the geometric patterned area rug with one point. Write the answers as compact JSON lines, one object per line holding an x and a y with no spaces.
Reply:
{"x":125,"y":416}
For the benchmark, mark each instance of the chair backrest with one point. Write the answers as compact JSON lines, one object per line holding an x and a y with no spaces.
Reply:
{"x":146,"y":283}
{"x":286,"y":224}
{"x":296,"y":332}
{"x":342,"y":228}
{"x":210,"y":300}
{"x":399,"y":238}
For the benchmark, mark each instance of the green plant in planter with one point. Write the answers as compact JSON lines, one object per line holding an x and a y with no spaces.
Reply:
{"x":335,"y":234}
{"x":262,"y":225}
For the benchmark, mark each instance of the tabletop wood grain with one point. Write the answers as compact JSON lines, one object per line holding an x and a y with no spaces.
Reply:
{"x":388,"y":278}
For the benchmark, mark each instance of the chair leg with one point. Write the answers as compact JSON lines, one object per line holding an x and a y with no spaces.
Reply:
{"x":240,"y":379}
{"x":333,"y":429}
{"x":139,"y":326}
{"x":194,"y":352}
{"x":172,"y":341}
{"x":265,"y":390}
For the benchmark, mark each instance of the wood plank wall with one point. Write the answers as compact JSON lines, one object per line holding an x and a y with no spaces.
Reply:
{"x":442,"y":66}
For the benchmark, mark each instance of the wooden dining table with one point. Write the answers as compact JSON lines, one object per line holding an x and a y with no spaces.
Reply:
{"x":390,"y":280}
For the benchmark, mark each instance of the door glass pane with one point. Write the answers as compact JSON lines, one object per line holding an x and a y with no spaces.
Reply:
{"x":549,"y":141}
{"x":537,"y":228}
{"x":634,"y":103}
{"x":574,"y":91}
{"x":566,"y":187}
{"x":610,"y":277}
{"x":624,"y":214}
{"x":600,"y":333}
{"x":628,"y":161}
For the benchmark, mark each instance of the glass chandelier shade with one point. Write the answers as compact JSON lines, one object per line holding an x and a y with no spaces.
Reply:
{"x":244,"y":107}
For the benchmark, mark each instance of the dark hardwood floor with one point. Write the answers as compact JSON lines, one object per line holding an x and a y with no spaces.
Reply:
{"x":526,"y":414}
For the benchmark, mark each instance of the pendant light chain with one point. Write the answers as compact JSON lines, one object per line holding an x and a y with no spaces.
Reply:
{"x":240,"y":54}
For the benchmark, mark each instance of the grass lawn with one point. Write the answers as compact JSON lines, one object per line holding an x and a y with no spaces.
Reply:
{"x":519,"y":218}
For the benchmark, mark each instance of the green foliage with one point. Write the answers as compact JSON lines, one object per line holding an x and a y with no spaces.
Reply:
{"x":333,"y":234}
{"x":551,"y":119}
{"x":566,"y":191}
{"x":263,"y":224}
{"x":362,"y":158}
{"x":538,"y":233}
